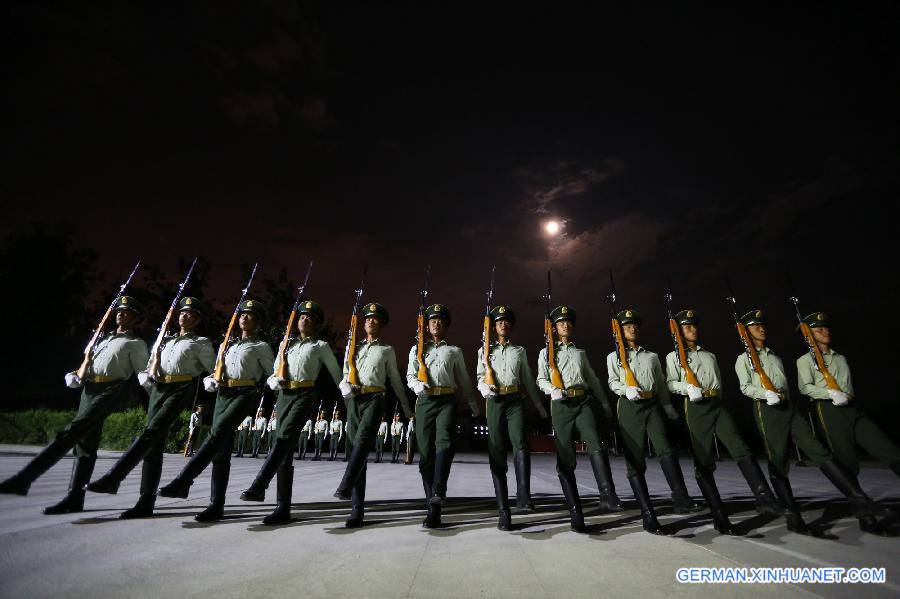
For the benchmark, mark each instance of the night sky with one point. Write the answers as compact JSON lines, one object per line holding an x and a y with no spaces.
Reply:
{"x":689,"y":140}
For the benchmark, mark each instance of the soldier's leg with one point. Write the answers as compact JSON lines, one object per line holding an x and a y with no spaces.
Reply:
{"x":668,"y":460}
{"x":586,"y":422}
{"x":701,"y":419}
{"x":871,"y":438}
{"x":446,"y":431}
{"x":85,"y":458}
{"x":836,"y":424}
{"x":632,"y":426}
{"x":364,"y":412}
{"x":515,"y":422}
{"x":563,"y":414}
{"x":426,"y":414}
{"x":494,"y":412}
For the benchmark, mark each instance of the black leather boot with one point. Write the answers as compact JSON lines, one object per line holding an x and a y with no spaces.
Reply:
{"x":355,"y":465}
{"x":642,"y":496}
{"x":573,"y":501}
{"x":284,"y":489}
{"x":442,"y":461}
{"x":765,"y":500}
{"x":180,"y":487}
{"x":274,"y":459}
{"x":501,"y":491}
{"x":794,"y":520}
{"x":19,"y":483}
{"x":150,"y":475}
{"x":863,"y":507}
{"x":710,"y":491}
{"x":74,"y":500}
{"x":522,"y":461}
{"x":681,"y":501}
{"x":433,"y":518}
{"x":608,"y":499}
{"x":217,"y":487}
{"x":358,"y":501}
{"x":109,"y":482}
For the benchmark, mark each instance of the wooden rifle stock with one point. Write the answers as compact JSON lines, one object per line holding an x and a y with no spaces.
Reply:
{"x":689,"y":375}
{"x":219,"y":370}
{"x":764,"y":379}
{"x":830,"y":381}
{"x":630,"y":379}
{"x":489,"y":379}
{"x":422,"y":375}
{"x":555,"y":375}
{"x":282,"y":372}
{"x":352,"y":372}
{"x":153,"y":366}
{"x":89,"y":350}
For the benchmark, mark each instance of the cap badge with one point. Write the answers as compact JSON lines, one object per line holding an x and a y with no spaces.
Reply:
{"x":188,"y":302}
{"x":690,"y":313}
{"x":250,"y":304}
{"x":437,"y":307}
{"x":372,"y":307}
{"x":564,"y":310}
{"x":308,"y":305}
{"x":628,"y":314}
{"x":820,"y":316}
{"x":124,"y":299}
{"x":501,"y":310}
{"x":759,"y":313}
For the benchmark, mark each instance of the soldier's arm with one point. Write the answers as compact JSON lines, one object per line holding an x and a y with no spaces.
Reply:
{"x":849,"y":390}
{"x":527,"y":379}
{"x":543,"y":373}
{"x":479,"y":366}
{"x":139,"y":356}
{"x":266,"y":359}
{"x":615,"y":383}
{"x":330,"y":362}
{"x":673,"y":375}
{"x":745,"y":379}
{"x":660,"y":379}
{"x":786,"y":392}
{"x":593,"y":382}
{"x":806,"y":379}
{"x":718,"y":376}
{"x":397,"y":382}
{"x":412,"y":369}
{"x":463,"y":380}
{"x":205,"y":355}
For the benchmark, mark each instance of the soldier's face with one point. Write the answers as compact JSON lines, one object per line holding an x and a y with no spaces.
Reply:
{"x":821,"y":334}
{"x":188,"y":319}
{"x":503,"y":327}
{"x":125,"y":318}
{"x":757,"y":332}
{"x":436,"y":327}
{"x":372,"y":326}
{"x":689,"y":332}
{"x":248,"y":322}
{"x":631,"y":331}
{"x":306,"y":324}
{"x":564,"y":328}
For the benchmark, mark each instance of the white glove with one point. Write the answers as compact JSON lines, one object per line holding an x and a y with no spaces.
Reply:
{"x":772,"y":398}
{"x":72,"y":380}
{"x":419,"y":387}
{"x":275,"y":383}
{"x":144,"y":380}
{"x":694,"y":393}
{"x":485,"y":390}
{"x":670,"y":412}
{"x":210,"y":384}
{"x":556,"y":394}
{"x":346,"y":389}
{"x":633,"y":393}
{"x":838,"y":398}
{"x":607,"y":411}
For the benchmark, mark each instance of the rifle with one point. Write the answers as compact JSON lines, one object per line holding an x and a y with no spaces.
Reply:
{"x":289,"y":330}
{"x":89,"y":350}
{"x":420,"y":329}
{"x":689,"y":375}
{"x":486,"y":336}
{"x":219,"y":369}
{"x":350,"y":354}
{"x":749,"y":347}
{"x":156,"y":352}
{"x":618,"y":339}
{"x":555,"y":376}
{"x":818,"y":359}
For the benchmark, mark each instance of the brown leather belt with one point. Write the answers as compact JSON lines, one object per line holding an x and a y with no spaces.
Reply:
{"x":574,"y":392}
{"x":507,"y":390}
{"x":366,"y":389}
{"x":710,"y":393}
{"x":439,"y":390}
{"x":175,"y":378}
{"x":102,"y":378}
{"x":300,"y":384}
{"x":240,"y":382}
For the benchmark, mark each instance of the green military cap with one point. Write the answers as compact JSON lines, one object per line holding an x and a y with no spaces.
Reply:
{"x":254,"y":306}
{"x":817,"y":319}
{"x":438,"y":311}
{"x":377,"y":310}
{"x":503,"y":313}
{"x":753,"y":317}
{"x":687,"y":317}
{"x":562,"y":313}
{"x":313,"y":309}
{"x":629,"y":316}
{"x":190,"y":303}
{"x":127,"y":302}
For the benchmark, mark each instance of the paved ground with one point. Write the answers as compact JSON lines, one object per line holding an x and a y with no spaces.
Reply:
{"x":93,"y":554}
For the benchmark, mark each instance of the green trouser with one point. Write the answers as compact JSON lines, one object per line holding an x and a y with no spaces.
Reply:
{"x":242,"y":441}
{"x":167,"y":401}
{"x":395,"y":444}
{"x":293,"y":407}
{"x":335,"y":443}
{"x":436,"y":424}
{"x":506,"y":420}
{"x":233,"y":404}
{"x":364,"y":412}
{"x":637,"y":420}
{"x":320,"y":440}
{"x":779,"y":424}
{"x":707,"y":419}
{"x":571,"y":415}
{"x":379,"y":443}
{"x":845,"y":426}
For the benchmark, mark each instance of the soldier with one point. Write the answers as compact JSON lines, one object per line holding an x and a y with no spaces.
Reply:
{"x":843,"y":423}
{"x":321,"y":431}
{"x":375,"y":363}
{"x":116,"y":357}
{"x":183,"y":358}
{"x":305,"y":434}
{"x":576,"y":408}
{"x":396,"y":438}
{"x":296,"y":395}
{"x":779,"y":423}
{"x":259,"y":429}
{"x":336,"y":430}
{"x":248,"y":360}
{"x":707,"y":417}
{"x":506,"y":413}
{"x":410,"y":439}
{"x":194,"y":430}
{"x":243,"y":430}
{"x":379,"y":440}
{"x":436,"y":407}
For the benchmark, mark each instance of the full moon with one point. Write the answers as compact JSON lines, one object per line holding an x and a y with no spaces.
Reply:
{"x":552,"y":227}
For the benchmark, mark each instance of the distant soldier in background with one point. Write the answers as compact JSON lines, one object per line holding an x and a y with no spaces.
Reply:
{"x":305,"y":435}
{"x":379,"y":440}
{"x":321,"y":431}
{"x":396,"y":438}
{"x":243,"y":430}
{"x":193,"y":431}
{"x":337,"y":433}
{"x":410,"y":439}
{"x":259,"y":428}
{"x":270,"y":430}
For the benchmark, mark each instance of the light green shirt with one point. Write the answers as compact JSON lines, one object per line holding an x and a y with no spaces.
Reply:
{"x":376,"y":362}
{"x":446,"y":368}
{"x":812,"y":383}
{"x":382,"y":429}
{"x":305,"y":358}
{"x":647,"y":370}
{"x":510,"y":366}
{"x":337,"y":427}
{"x":704,"y":365}
{"x":321,"y":426}
{"x":575,"y":368}
{"x":247,"y":424}
{"x":249,"y":358}
{"x":397,"y":429}
{"x":259,"y":424}
{"x":307,"y":427}
{"x":748,"y":379}
{"x":187,"y":354}
{"x":119,"y":355}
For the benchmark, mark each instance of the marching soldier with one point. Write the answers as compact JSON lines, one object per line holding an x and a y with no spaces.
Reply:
{"x":243,"y":432}
{"x":248,"y":360}
{"x":259,"y":428}
{"x":379,"y":440}
{"x":576,"y":408}
{"x":436,"y":407}
{"x":506,"y":413}
{"x":779,"y":423}
{"x":271,"y":427}
{"x":336,"y":430}
{"x":375,"y":363}
{"x":116,"y":357}
{"x":321,"y":431}
{"x":296,"y":395}
{"x":842,"y":422}
{"x":305,"y":434}
{"x":194,"y":430}
{"x":707,"y":417}
{"x":396,"y":438}
{"x":410,"y":439}
{"x":183,"y":358}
